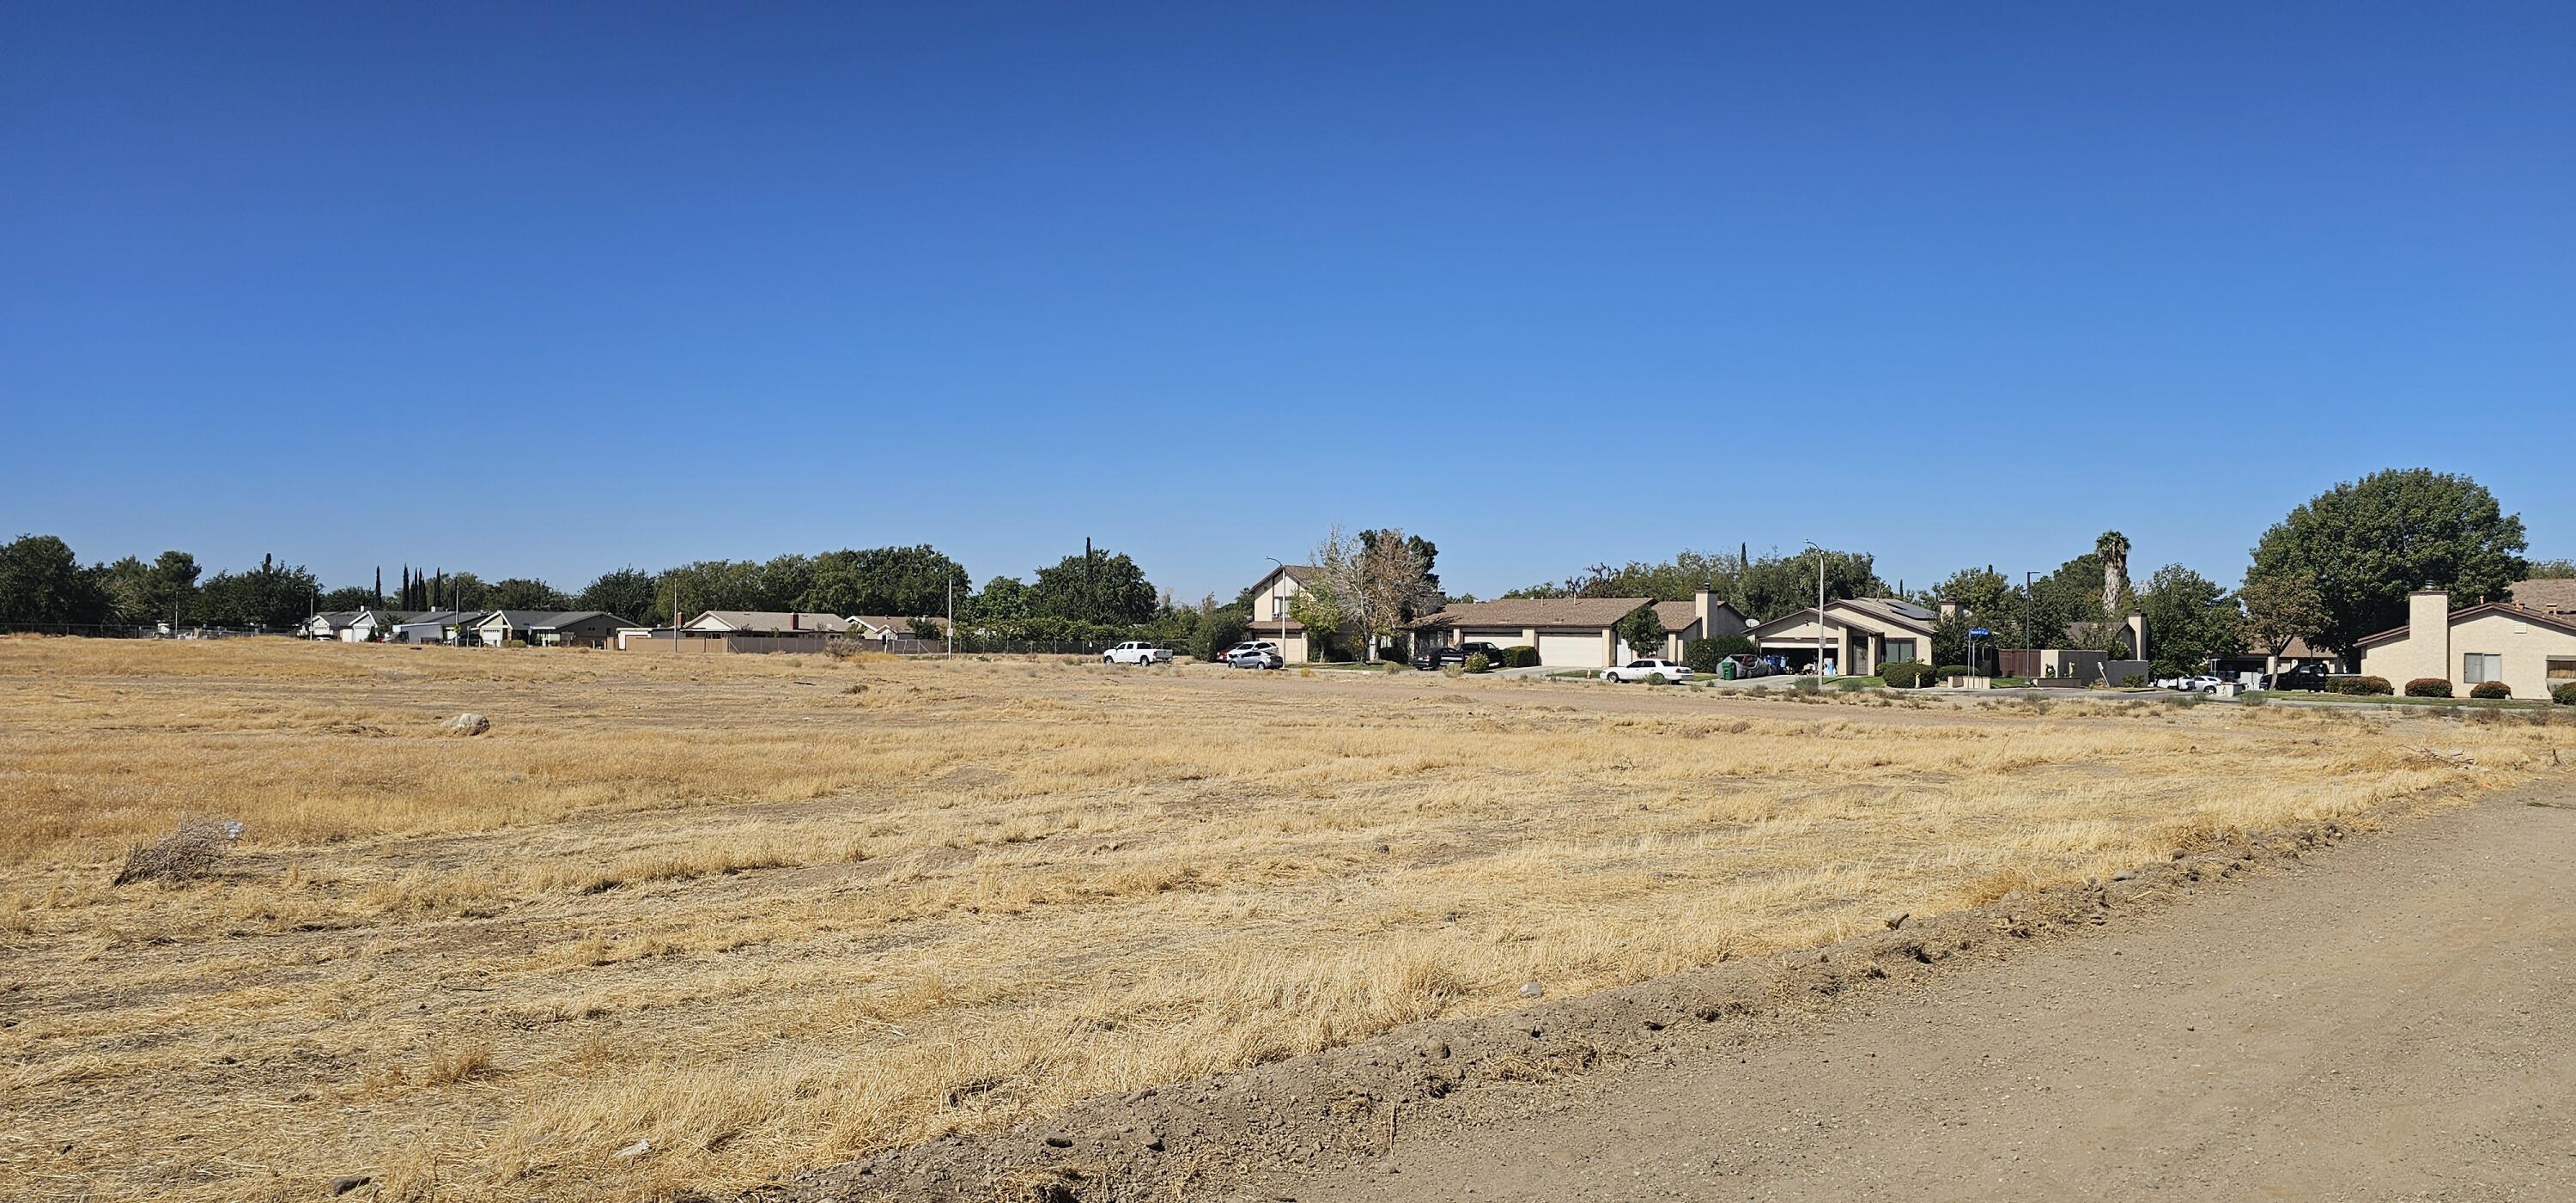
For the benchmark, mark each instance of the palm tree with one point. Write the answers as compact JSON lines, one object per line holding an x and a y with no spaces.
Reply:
{"x":2113,"y":547}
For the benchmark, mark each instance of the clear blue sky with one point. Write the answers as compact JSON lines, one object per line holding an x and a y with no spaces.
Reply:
{"x":549,"y":289}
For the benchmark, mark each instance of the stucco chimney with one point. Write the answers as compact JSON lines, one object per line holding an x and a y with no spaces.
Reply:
{"x":1704,"y":604}
{"x":2428,"y":634}
{"x":2138,"y":635}
{"x":1949,"y":609}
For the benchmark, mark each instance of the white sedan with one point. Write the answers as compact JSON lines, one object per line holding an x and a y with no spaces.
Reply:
{"x":1648,"y":670}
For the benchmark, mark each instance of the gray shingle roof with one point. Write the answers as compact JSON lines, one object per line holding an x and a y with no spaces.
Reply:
{"x":1535,"y":612}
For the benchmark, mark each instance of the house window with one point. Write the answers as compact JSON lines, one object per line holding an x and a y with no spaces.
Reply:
{"x":2477,"y":667}
{"x":1899,"y":651}
{"x":2562,"y":668}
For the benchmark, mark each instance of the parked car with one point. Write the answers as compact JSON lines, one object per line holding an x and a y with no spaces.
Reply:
{"x":1136,"y":651}
{"x":1251,"y":655}
{"x":1441,"y":657}
{"x":2307,"y":676}
{"x":2195,"y":683}
{"x":1248,"y":645}
{"x":1648,"y":670}
{"x":1752,"y":666}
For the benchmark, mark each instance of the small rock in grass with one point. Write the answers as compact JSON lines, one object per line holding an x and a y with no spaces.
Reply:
{"x":1532,"y":990}
{"x":468,"y":723}
{"x":2124,"y":875}
{"x":348,"y":1182}
{"x":638,"y":1149}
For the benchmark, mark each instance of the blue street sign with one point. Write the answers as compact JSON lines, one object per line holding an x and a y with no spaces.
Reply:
{"x":1979,"y":633}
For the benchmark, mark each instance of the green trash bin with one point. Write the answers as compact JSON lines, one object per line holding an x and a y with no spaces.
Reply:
{"x":1726,"y":670}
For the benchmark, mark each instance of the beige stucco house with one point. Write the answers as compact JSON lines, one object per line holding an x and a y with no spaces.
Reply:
{"x":1577,"y":632}
{"x":767,"y":622}
{"x":1272,"y":597}
{"x":1859,"y":634}
{"x":2530,"y":648}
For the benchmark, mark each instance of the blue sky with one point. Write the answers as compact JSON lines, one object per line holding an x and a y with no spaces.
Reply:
{"x":549,"y":289}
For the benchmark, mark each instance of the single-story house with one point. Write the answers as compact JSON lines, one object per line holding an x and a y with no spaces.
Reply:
{"x":567,"y":628}
{"x":436,"y":626}
{"x":1272,"y":596}
{"x":889,"y":626}
{"x":2530,"y":649}
{"x":331,"y":625}
{"x":767,"y":622}
{"x":372,"y":624}
{"x":2298,"y":654}
{"x":1859,"y":635}
{"x":1576,"y":632}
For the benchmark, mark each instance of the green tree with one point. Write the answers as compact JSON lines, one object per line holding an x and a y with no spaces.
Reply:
{"x":905,"y":581}
{"x":2370,"y":542}
{"x":1104,"y":589}
{"x":272,"y":596}
{"x":625,"y":593}
{"x":1643,"y":631}
{"x":1775,"y":585}
{"x":2191,"y":620}
{"x":2282,"y":607}
{"x":1318,"y":607}
{"x":42,"y":581}
{"x":2549,"y":570}
{"x":523,"y":593}
{"x":347,"y":597}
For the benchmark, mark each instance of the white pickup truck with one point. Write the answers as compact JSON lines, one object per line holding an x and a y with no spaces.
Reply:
{"x":1136,"y":651}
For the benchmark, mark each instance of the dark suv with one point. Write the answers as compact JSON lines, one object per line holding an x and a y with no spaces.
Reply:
{"x":2306,"y":676}
{"x":1441,"y":657}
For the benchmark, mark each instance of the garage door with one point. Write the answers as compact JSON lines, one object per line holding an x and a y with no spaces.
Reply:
{"x":1498,"y":637}
{"x":1570,"y":651}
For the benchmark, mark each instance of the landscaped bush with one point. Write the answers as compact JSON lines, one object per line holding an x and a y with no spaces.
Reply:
{"x":1477,"y":663}
{"x":2370,"y":686}
{"x":2564,"y":695}
{"x":1954,"y":670}
{"x":2428,"y":687}
{"x":1703,"y":654}
{"x":1520,"y":655}
{"x":2491,"y":689}
{"x":1907,"y":674}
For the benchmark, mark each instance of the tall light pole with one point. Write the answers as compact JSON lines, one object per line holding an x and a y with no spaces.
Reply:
{"x":1820,"y":610}
{"x":2032,"y":665}
{"x":1278,"y":603}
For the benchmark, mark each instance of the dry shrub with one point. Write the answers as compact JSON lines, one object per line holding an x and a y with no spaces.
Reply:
{"x":461,"y":1064}
{"x":190,"y":850}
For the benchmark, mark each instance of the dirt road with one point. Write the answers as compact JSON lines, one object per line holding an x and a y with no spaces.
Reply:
{"x":2395,"y":1020}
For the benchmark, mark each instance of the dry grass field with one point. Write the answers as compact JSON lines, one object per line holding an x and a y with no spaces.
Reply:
{"x":763,"y":913}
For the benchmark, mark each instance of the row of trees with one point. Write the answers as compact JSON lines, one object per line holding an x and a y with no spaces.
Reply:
{"x":1758,"y":589}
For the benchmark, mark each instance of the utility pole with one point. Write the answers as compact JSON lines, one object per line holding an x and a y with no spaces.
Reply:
{"x":1820,"y":610}
{"x":952,"y":613}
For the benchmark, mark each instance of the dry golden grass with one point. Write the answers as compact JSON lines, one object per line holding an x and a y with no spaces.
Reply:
{"x":734,"y":908}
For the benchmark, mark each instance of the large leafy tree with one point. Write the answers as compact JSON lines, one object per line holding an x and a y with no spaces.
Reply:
{"x":348,"y":597}
{"x":1643,"y":631}
{"x":2190,"y":620}
{"x":272,"y":596}
{"x":42,"y":581}
{"x":2281,"y":607}
{"x":1676,"y":579}
{"x":524,"y":593}
{"x":1377,"y":582}
{"x":907,"y":581}
{"x":159,"y":591}
{"x":626,"y":593}
{"x":1775,"y":585}
{"x":2368,"y":543}
{"x":1101,"y":588}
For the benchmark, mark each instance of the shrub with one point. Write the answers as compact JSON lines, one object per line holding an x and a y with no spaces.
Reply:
{"x":1520,"y":655}
{"x":2564,"y":695}
{"x":1807,"y":684}
{"x":2491,"y":689}
{"x":192,"y":849}
{"x":2428,"y":687}
{"x":1954,"y":670}
{"x":1703,"y":654}
{"x":1477,"y":663}
{"x":2370,"y":686}
{"x":1908,"y":674}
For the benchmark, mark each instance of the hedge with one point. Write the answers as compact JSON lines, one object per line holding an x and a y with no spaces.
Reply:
{"x":1703,"y":654}
{"x":2372,"y":686}
{"x":1520,"y":655}
{"x":1954,"y":670}
{"x":1478,"y":664}
{"x":1907,"y":674}
{"x":2428,"y":687}
{"x":2564,"y":695}
{"x":2491,"y":689}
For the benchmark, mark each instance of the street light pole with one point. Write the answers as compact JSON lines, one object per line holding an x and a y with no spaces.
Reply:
{"x":1820,"y":610}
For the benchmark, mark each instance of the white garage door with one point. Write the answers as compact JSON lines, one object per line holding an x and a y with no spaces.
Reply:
{"x":1498,"y":637}
{"x":1570,"y":651}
